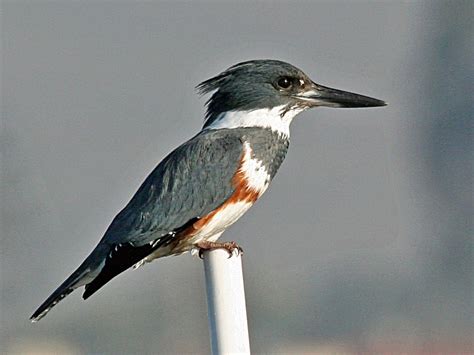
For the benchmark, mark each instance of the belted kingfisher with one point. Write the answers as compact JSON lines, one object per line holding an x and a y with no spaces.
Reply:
{"x":210,"y":181}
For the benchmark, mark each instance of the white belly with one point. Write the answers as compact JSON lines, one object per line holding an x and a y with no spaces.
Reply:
{"x":221,"y":221}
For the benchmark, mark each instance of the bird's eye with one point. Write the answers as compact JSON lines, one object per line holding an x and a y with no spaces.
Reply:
{"x":285,"y":82}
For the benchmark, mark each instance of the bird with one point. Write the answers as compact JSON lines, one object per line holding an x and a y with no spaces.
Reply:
{"x":207,"y":183}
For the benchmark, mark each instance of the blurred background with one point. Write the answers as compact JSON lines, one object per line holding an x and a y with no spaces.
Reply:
{"x":363,"y":243}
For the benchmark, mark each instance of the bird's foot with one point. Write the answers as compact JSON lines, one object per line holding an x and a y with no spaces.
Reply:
{"x":229,"y":246}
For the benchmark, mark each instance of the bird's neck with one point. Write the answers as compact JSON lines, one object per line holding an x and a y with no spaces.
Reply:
{"x":277,"y":119}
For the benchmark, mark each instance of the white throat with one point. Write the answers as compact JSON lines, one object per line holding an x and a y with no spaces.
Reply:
{"x":263,"y":117}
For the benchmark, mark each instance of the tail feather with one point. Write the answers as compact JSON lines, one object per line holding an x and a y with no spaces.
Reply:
{"x":71,"y":283}
{"x":89,"y":269}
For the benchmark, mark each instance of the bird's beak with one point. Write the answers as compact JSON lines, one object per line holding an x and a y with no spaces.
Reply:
{"x":318,"y":95}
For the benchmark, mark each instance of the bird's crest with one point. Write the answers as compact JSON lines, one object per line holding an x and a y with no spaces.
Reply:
{"x":219,"y":80}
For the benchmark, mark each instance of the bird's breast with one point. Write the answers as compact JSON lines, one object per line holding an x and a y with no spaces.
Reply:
{"x":250,"y":181}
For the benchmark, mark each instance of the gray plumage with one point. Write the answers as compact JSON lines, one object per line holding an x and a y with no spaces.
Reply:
{"x":189,"y":183}
{"x":249,"y":112}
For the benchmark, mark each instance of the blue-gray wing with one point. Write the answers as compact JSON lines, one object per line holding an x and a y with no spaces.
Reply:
{"x":189,"y":183}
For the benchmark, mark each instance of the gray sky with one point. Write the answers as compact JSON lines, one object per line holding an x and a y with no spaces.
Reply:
{"x":362,"y":240}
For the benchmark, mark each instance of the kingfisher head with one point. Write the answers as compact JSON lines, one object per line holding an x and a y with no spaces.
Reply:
{"x":269,"y":93}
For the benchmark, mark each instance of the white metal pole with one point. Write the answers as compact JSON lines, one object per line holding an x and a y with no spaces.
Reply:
{"x":226,"y":303}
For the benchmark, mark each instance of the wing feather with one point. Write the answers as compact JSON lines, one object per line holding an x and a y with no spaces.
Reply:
{"x":190,"y":182}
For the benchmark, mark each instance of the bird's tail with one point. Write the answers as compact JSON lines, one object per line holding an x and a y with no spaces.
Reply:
{"x":84,"y":273}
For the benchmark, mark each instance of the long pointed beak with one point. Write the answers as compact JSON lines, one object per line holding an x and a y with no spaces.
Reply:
{"x":319,"y":95}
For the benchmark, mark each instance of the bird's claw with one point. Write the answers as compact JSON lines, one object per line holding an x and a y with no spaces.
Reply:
{"x":229,"y":246}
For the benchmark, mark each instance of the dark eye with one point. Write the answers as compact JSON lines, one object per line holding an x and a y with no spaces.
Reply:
{"x":285,"y":82}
